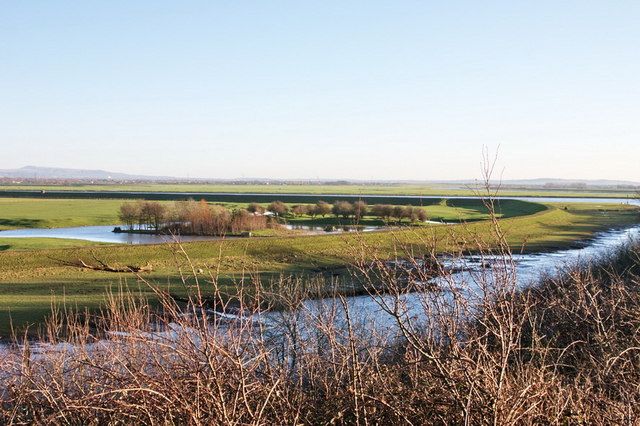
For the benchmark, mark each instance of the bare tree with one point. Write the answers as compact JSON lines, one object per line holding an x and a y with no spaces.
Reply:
{"x":421,"y":214}
{"x":360,"y":209}
{"x":255,"y":208}
{"x":342,"y":208}
{"x":322,"y":208}
{"x":300,"y":210}
{"x":128,"y":214}
{"x":155,"y":212}
{"x":383,"y":211}
{"x":278,"y":208}
{"x":398,"y":213}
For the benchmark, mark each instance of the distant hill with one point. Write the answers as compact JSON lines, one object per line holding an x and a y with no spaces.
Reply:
{"x":34,"y":172}
{"x":560,"y":182}
{"x":549,"y":182}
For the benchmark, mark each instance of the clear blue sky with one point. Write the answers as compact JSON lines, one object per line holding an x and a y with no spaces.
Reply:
{"x":332,"y":89}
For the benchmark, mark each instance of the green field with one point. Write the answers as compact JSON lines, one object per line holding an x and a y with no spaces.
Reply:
{"x":343,"y":189}
{"x":42,"y":243}
{"x":55,"y":213}
{"x":47,"y":213}
{"x":29,"y":278}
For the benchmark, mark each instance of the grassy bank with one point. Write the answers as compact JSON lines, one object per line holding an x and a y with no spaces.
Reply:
{"x":42,"y":243}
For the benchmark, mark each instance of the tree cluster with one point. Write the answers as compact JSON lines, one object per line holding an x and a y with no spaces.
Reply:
{"x":357,"y":210}
{"x":146,"y":215}
{"x":321,"y":208}
{"x":388,"y":212}
{"x":189,"y":218}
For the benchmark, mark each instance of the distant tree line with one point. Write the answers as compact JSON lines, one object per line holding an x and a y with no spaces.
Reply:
{"x":357,"y":210}
{"x":278,"y":208}
{"x":189,"y":217}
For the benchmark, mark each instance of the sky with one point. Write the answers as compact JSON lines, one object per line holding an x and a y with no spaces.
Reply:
{"x":371,"y":89}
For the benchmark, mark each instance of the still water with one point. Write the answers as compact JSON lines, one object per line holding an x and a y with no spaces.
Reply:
{"x":100,"y":234}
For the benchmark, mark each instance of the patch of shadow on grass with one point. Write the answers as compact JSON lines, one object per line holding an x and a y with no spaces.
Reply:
{"x":21,"y":223}
{"x":575,"y":229}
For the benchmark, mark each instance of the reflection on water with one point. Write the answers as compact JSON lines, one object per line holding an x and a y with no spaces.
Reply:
{"x":332,"y":229}
{"x":105,"y":234}
{"x":101,"y":234}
